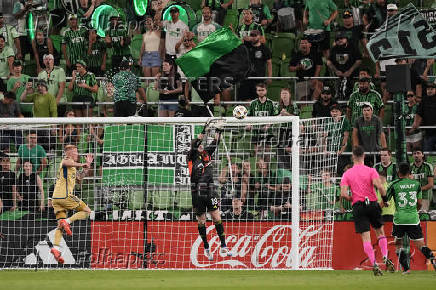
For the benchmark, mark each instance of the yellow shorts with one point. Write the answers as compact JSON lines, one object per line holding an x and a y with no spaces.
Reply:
{"x":61,"y":206}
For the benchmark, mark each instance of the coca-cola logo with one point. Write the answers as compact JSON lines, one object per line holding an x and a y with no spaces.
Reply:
{"x":271,"y":250}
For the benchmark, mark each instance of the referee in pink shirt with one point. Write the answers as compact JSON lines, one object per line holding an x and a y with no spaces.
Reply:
{"x":362,"y":179}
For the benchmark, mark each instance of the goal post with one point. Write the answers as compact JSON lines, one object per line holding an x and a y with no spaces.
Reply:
{"x":269,"y":178}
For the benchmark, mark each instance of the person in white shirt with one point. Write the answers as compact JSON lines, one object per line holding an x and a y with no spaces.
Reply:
{"x":207,"y":26}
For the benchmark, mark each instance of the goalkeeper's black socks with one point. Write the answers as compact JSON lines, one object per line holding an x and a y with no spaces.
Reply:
{"x":220,"y":231}
{"x":202,"y":233}
{"x":402,"y":257}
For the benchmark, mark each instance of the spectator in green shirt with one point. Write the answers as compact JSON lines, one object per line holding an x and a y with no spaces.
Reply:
{"x":83,"y":85}
{"x":32,"y":152}
{"x":17,"y":84}
{"x":6,"y":58}
{"x":44,"y":104}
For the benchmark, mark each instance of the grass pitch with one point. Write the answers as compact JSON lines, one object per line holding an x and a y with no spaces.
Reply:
{"x":111,"y":280}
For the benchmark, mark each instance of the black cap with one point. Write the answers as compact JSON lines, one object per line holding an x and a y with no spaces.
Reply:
{"x":431,"y":85}
{"x":17,"y":62}
{"x":364,"y":79}
{"x":1,"y":14}
{"x":42,"y":82}
{"x":126,"y":62}
{"x":347,"y":13}
{"x":326,"y":90}
{"x":341,"y":34}
{"x":286,"y":180}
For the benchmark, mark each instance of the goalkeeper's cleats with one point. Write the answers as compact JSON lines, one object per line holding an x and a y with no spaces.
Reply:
{"x":225,"y":251}
{"x":377,"y":271}
{"x":389,"y":265}
{"x":208,"y":254}
{"x":57,"y":255}
{"x":66,"y":227}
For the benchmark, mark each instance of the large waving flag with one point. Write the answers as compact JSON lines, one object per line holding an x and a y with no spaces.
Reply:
{"x":404,"y":35}
{"x":216,"y":63}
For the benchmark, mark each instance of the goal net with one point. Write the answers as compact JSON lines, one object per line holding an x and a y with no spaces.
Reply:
{"x":272,"y":178}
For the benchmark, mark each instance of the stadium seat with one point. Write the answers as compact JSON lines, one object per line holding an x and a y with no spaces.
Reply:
{"x":232,"y":17}
{"x":136,"y":199}
{"x":199,"y":15}
{"x":56,"y":40}
{"x":152,"y":96}
{"x":274,"y":89}
{"x":282,"y":45}
{"x":183,"y":199}
{"x":163,"y":199}
{"x":195,"y":4}
{"x":241,"y":4}
{"x":284,"y":68}
{"x":306,"y":111}
{"x":387,"y":118}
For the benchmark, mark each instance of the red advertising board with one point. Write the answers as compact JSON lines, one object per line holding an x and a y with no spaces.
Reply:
{"x":117,"y":245}
{"x":258,"y":245}
{"x":348,"y":250}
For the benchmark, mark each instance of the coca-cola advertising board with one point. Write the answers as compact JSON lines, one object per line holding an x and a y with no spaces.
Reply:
{"x":258,"y":245}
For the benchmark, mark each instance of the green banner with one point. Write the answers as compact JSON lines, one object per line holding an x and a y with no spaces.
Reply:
{"x":123,"y":155}
{"x":404,"y":35}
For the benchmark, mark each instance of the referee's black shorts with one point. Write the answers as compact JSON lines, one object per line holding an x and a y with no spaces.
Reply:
{"x":413,"y":231}
{"x":366,"y":215}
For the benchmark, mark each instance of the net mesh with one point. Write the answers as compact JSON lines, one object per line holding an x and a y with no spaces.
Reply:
{"x":139,"y":192}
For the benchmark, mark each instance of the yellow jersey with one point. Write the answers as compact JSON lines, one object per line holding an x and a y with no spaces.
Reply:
{"x":65,"y":181}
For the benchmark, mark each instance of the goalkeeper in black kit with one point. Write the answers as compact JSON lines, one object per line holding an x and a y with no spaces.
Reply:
{"x":204,"y":193}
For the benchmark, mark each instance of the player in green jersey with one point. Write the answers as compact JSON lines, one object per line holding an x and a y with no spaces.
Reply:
{"x":423,"y":172}
{"x":407,"y":195}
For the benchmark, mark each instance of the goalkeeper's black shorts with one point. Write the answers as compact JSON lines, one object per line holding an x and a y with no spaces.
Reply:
{"x":203,"y":202}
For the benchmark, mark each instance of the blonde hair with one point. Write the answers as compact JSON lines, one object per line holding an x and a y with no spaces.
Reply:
{"x":281,"y":104}
{"x":69,"y":147}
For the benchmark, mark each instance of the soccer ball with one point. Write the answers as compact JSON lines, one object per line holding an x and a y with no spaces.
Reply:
{"x":240,"y":112}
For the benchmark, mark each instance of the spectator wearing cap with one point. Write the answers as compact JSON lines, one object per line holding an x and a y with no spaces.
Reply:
{"x":21,"y":11}
{"x":56,"y":81}
{"x":96,"y":56}
{"x":261,"y":63}
{"x":248,"y":25}
{"x":380,"y":66}
{"x":41,"y":45}
{"x":44,"y":104}
{"x":319,"y":14}
{"x":306,"y":63}
{"x":354,"y":32}
{"x":375,"y":15}
{"x":126,"y":84}
{"x":217,"y":8}
{"x":17,"y":85}
{"x":336,"y":114}
{"x":175,"y":29}
{"x":426,"y":116}
{"x":321,"y":108}
{"x":117,"y":39}
{"x":343,"y":62}
{"x":358,"y":98}
{"x":10,"y":34}
{"x":73,"y":43}
{"x":9,"y":108}
{"x":6,"y":59}
{"x":363,"y":73}
{"x":368,"y":133}
{"x":83,"y":85}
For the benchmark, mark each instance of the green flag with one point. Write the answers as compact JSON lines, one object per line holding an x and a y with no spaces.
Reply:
{"x":217,"y":63}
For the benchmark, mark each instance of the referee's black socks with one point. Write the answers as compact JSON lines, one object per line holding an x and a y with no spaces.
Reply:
{"x":202,"y":233}
{"x":402,"y":258}
{"x":427,"y":252}
{"x":220,"y":231}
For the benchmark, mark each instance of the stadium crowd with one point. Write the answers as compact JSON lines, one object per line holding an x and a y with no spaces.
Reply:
{"x":69,"y":69}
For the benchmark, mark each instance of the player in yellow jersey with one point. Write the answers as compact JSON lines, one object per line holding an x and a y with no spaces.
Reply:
{"x":63,"y":198}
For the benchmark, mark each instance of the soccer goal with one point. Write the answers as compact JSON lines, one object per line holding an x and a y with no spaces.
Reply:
{"x":269,"y":175}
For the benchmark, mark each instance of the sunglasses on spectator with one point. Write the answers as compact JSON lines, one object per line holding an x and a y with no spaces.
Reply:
{"x":392,"y":10}
{"x":410,"y":95}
